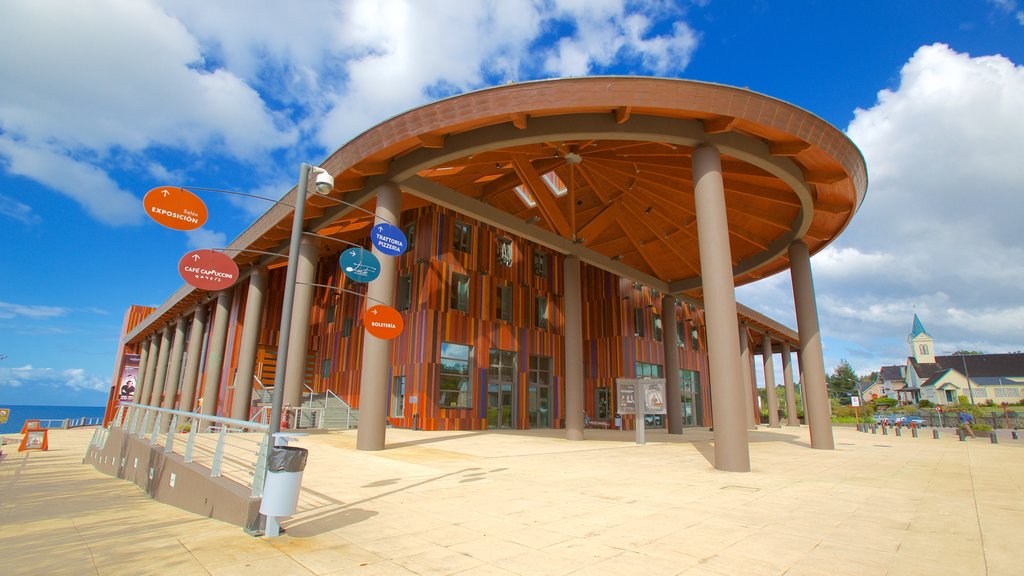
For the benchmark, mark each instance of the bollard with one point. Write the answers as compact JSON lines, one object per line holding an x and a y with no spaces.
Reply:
{"x":962,"y":434}
{"x":1014,"y":433}
{"x":885,"y":430}
{"x":874,"y":428}
{"x":994,"y":437}
{"x":913,"y":432}
{"x":935,"y":433}
{"x":899,"y":431}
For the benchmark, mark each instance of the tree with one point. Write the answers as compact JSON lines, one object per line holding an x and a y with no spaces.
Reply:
{"x":843,"y":382}
{"x":872,"y":377}
{"x":967,"y":353}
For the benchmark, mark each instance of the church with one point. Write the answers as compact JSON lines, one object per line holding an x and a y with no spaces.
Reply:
{"x":943,"y":380}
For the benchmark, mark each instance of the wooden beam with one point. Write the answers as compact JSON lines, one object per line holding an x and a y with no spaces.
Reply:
{"x":719,"y":124}
{"x":370,"y":168}
{"x":824,"y":176}
{"x":652,"y":259}
{"x":349,"y":183}
{"x":519,"y":120}
{"x":431,"y":140}
{"x":541,"y":194}
{"x":599,"y":223}
{"x":622,"y":114}
{"x":791,"y":148}
{"x":672,"y":246}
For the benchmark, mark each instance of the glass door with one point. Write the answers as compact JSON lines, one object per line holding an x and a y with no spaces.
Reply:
{"x":500,"y":386}
{"x":539,"y":392}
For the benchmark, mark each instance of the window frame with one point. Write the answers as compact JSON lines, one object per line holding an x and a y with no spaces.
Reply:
{"x":462,"y":237}
{"x":504,"y":300}
{"x":459,"y":300}
{"x":464,"y":394}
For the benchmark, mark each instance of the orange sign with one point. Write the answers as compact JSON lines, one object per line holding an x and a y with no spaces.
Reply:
{"x":175,"y":208}
{"x":31,"y":425}
{"x":384,"y":322}
{"x":34,"y":440}
{"x":208,"y":270}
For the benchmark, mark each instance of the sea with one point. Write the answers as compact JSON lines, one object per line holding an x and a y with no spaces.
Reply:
{"x":19,"y":414}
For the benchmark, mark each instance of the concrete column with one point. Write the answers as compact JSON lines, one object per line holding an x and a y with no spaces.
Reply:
{"x":769,"y":382}
{"x":727,"y":391}
{"x":141,"y":376}
{"x":574,"y":404}
{"x":746,"y":365}
{"x":250,"y":341}
{"x":161,"y":367}
{"x":376,"y":362}
{"x":787,"y":377}
{"x":801,"y":382}
{"x":817,"y":408}
{"x":305,"y":274}
{"x":147,"y":383}
{"x":173,"y":371}
{"x":670,"y":338}
{"x":215,"y":357}
{"x":193,"y":356}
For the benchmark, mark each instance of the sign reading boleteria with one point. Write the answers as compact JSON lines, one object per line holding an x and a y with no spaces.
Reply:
{"x":384,"y":322}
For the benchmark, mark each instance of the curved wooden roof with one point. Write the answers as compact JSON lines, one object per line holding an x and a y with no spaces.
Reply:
{"x":621,"y":148}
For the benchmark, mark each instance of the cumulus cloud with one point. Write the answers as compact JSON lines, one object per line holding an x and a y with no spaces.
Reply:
{"x":74,"y":379}
{"x":205,"y":239}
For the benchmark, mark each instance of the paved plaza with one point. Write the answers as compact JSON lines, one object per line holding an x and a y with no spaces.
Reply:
{"x":532,"y":503}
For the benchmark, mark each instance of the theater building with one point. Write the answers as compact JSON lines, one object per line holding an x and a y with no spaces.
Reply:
{"x":561,"y":235}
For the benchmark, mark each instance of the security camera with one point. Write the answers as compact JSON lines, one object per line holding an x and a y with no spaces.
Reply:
{"x":324,"y":182}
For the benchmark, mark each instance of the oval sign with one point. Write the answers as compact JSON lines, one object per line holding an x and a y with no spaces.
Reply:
{"x":175,"y":208}
{"x":359,"y":265}
{"x":384,"y":322}
{"x":208,"y":270}
{"x":388,"y":239}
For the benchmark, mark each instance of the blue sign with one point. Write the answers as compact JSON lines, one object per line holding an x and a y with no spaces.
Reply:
{"x":359,"y":265}
{"x":388,"y":239}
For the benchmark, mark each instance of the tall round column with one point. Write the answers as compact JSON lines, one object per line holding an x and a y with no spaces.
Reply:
{"x":670,"y":338}
{"x":731,"y":447}
{"x":574,"y":404}
{"x":250,"y":341}
{"x":812,"y":363}
{"x":787,"y":377}
{"x":161,"y":367}
{"x":305,"y":274}
{"x":376,"y":367}
{"x":147,"y":382}
{"x":140,"y":378}
{"x":173,"y":371}
{"x":746,"y":364}
{"x":193,"y":355}
{"x":215,"y":356}
{"x":769,"y":382}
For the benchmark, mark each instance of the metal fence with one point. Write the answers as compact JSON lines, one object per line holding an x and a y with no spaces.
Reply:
{"x":229,"y":448}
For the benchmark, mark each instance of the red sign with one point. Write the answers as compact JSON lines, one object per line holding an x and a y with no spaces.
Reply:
{"x":384,"y":322}
{"x":208,"y":270}
{"x":175,"y":208}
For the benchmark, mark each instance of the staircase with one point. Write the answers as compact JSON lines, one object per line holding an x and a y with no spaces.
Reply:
{"x":322,"y":410}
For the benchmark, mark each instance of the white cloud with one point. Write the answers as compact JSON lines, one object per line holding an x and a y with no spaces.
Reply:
{"x":205,"y":239}
{"x":8,"y":310}
{"x":74,"y":379}
{"x":21,"y":212}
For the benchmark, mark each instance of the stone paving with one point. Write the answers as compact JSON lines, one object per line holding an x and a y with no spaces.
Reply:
{"x":532,"y":503}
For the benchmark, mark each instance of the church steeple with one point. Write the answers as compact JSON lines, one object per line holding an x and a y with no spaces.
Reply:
{"x":922,"y":346}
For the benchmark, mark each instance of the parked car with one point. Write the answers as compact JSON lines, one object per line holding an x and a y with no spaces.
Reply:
{"x":887,"y":419}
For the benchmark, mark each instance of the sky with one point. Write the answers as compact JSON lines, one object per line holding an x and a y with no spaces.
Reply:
{"x":101,"y":101}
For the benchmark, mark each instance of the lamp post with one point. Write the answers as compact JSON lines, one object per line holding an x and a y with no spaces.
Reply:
{"x":324,"y":184}
{"x":970,"y":390}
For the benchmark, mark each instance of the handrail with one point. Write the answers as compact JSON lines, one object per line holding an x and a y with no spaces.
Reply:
{"x":221,"y":444}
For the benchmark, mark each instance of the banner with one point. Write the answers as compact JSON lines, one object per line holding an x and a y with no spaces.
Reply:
{"x":129,"y":380}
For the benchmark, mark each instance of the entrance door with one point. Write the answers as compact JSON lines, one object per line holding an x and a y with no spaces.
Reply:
{"x":539,"y":392}
{"x":500,"y":387}
{"x":689,"y":388}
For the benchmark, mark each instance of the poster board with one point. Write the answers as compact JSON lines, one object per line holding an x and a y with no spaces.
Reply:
{"x":652,"y":390}
{"x":34,"y":440}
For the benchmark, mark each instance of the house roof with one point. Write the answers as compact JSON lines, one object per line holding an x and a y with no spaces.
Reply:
{"x":891,"y":373}
{"x":977,"y":366}
{"x":918,"y":328}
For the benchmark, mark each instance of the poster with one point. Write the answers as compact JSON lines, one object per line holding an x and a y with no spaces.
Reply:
{"x":129,"y":373}
{"x":652,"y":389}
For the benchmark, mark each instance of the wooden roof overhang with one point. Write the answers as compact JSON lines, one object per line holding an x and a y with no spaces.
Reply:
{"x":621,"y":147}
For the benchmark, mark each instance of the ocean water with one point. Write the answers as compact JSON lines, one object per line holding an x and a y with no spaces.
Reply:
{"x":19,"y":414}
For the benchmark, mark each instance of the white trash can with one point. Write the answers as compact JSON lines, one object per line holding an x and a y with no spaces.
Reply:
{"x":284,"y":478}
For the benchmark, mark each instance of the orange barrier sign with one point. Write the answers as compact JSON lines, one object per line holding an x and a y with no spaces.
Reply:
{"x":31,"y":425}
{"x":175,"y":208}
{"x":34,"y":440}
{"x":4,"y":414}
{"x":384,"y":322}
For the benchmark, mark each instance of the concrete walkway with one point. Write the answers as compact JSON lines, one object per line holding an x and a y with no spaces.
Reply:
{"x":531,"y":503}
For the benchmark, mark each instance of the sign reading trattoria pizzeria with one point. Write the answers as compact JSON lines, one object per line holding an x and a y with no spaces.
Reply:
{"x":384,"y":322}
{"x":388,"y":239}
{"x":208,"y":270}
{"x":175,"y":208}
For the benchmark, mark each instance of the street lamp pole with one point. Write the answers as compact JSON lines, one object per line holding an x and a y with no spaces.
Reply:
{"x":970,"y":390}
{"x":323,"y":180}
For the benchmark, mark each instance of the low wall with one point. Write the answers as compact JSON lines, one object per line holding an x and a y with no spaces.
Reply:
{"x":168,"y":479}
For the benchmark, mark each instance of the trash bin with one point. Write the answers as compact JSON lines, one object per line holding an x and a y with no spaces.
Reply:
{"x":284,"y":478}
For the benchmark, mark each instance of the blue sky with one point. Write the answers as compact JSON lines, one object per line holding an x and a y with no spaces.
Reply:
{"x":101,"y":101}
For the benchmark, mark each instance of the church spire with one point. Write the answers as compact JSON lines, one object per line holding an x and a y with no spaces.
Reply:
{"x":918,"y":328}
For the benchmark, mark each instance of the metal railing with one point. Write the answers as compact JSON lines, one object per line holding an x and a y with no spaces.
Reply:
{"x":66,"y":423}
{"x":229,"y":448}
{"x":350,"y":418}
